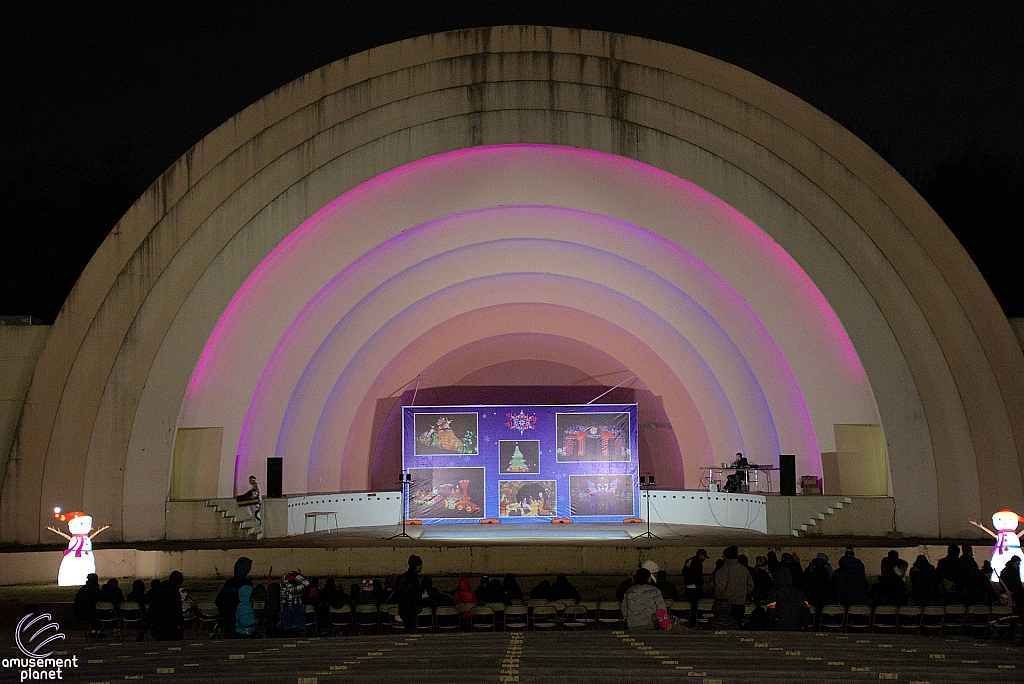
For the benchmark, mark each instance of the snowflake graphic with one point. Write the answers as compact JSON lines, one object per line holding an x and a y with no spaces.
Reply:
{"x":520,"y":421}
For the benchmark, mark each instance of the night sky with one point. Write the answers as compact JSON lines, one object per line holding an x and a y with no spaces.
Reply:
{"x":98,"y":99}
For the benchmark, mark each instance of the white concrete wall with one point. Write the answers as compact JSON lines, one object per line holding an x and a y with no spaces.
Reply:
{"x":20,"y":349}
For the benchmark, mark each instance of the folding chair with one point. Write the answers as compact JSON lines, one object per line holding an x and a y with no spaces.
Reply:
{"x":131,"y":618}
{"x":609,"y":613}
{"x":704,"y":613}
{"x":482,"y":618}
{"x":747,"y":610}
{"x":858,"y":618}
{"x":931,"y":619}
{"x":384,"y":612}
{"x":208,"y":618}
{"x":545,"y":617}
{"x":311,"y":620}
{"x":341,"y":619}
{"x":591,"y":608}
{"x":1002,"y":620}
{"x":393,"y":620}
{"x":909,"y":619}
{"x":573,"y":618}
{"x":425,"y":622}
{"x":953,"y":622}
{"x":976,"y":623}
{"x":516,"y":617}
{"x":499,"y":613}
{"x":365,"y":618}
{"x":107,"y":617}
{"x":833,"y":618}
{"x":884,"y":619}
{"x":259,"y":609}
{"x":446,"y":618}
{"x":465,"y":613}
{"x":681,"y":610}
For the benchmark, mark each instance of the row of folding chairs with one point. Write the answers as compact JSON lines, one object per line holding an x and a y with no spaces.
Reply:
{"x":977,"y":620}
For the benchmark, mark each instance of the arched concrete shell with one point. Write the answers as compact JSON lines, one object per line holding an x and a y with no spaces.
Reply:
{"x":943,"y":365}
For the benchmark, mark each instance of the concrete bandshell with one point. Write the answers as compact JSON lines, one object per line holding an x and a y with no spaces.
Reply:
{"x":944,"y":365}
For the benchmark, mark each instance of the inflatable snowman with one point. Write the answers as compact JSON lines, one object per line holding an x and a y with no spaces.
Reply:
{"x":1007,"y":542}
{"x":79,"y":561}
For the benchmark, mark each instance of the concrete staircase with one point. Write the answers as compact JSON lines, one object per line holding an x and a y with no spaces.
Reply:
{"x":828,"y":506}
{"x":242,"y":526}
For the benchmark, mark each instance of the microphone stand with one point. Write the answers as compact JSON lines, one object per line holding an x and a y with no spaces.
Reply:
{"x":404,"y":479}
{"x":647,"y":484}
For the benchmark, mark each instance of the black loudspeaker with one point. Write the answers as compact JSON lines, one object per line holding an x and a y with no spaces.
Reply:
{"x":787,"y":475}
{"x":275,"y":468}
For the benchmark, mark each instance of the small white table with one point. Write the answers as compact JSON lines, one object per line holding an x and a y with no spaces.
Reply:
{"x":316,"y":515}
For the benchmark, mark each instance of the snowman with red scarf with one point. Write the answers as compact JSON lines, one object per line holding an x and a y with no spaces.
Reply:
{"x":79,"y":561}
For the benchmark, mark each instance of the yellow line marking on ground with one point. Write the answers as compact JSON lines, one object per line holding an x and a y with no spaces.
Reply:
{"x":165,"y":670}
{"x":888,"y":675}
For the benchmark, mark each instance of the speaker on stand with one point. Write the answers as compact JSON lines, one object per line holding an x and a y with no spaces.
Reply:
{"x":275,"y":470}
{"x":787,"y":474}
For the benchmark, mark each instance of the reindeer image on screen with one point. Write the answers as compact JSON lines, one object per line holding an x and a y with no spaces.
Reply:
{"x":593,"y":437}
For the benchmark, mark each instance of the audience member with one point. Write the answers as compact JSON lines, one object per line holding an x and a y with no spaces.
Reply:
{"x":891,"y":589}
{"x":796,"y":571}
{"x":888,"y":562}
{"x":563,"y":590}
{"x":850,"y":581}
{"x":410,"y":595}
{"x":773,"y":561}
{"x":693,"y":581}
{"x":111,"y":593}
{"x":165,"y":610}
{"x":817,"y":584}
{"x":464,"y":594}
{"x":245,"y":615}
{"x":667,"y":588}
{"x":733,"y":582}
{"x":541,"y":591}
{"x":762,"y":581}
{"x":723,"y":616}
{"x":787,"y":605}
{"x":924,"y":582}
{"x":293,"y":611}
{"x":227,"y":597}
{"x":1009,"y":579}
{"x":272,"y":610}
{"x":511,"y":587}
{"x":85,"y":603}
{"x":950,"y":574}
{"x":365,"y":596}
{"x":643,"y":606}
{"x":977,"y":586}
{"x":824,"y":561}
{"x":138,"y":595}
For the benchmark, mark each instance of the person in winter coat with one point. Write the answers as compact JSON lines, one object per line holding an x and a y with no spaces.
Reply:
{"x":924,"y":582}
{"x":817,"y":584}
{"x":788,"y":610}
{"x":464,"y":594}
{"x":643,"y":606}
{"x":850,"y":581}
{"x":563,"y":589}
{"x":733,"y":582}
{"x":245,"y":615}
{"x":227,"y":598}
{"x":511,"y":587}
{"x":410,"y":595}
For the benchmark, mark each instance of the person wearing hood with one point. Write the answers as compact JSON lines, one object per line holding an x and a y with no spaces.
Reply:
{"x":851,"y":580}
{"x":464,"y":595}
{"x":817,"y":584}
{"x":511,"y":588}
{"x":245,"y":615}
{"x":643,"y":606}
{"x":562,"y":589}
{"x":227,"y":598}
{"x":788,"y":610}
